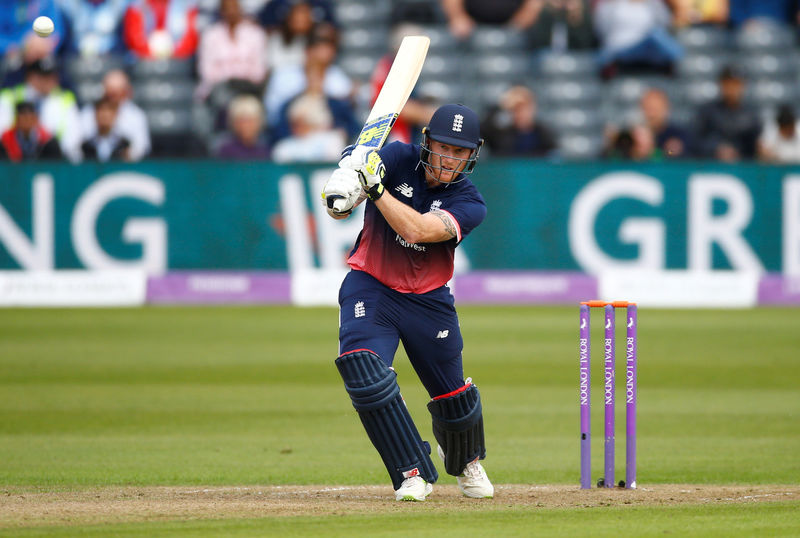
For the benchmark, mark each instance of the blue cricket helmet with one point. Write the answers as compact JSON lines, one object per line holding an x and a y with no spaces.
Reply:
{"x":455,"y":124}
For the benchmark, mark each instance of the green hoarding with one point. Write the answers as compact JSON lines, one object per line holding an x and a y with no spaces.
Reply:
{"x":542,"y":216}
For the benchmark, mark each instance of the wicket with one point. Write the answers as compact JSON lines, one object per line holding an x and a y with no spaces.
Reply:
{"x":584,"y":355}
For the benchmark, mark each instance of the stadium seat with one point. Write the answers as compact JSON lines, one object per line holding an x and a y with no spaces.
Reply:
{"x":702,"y":65}
{"x":487,"y":94}
{"x":162,"y":68}
{"x":703,"y":38}
{"x":358,"y":66}
{"x":163,"y":92}
{"x":580,"y":147}
{"x":764,"y":37}
{"x":89,"y":90}
{"x":628,"y":90}
{"x":171,"y":130}
{"x":502,"y":66}
{"x":442,"y":41}
{"x":566,"y":65}
{"x":82,"y":68}
{"x":619,"y":114}
{"x":169,"y":120}
{"x":683,"y":115}
{"x":769,"y":93}
{"x":357,"y":40}
{"x":495,"y":39}
{"x":440,"y":65}
{"x":766,"y":65}
{"x":574,"y":120}
{"x":700,"y":91}
{"x":362,"y":13}
{"x":440,"y":91}
{"x":569,"y":92}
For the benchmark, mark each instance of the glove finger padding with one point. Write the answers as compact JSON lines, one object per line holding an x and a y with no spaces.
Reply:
{"x":373,"y":170}
{"x":341,"y":190}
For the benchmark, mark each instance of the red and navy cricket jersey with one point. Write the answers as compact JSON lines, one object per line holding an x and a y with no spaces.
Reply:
{"x":398,"y":264}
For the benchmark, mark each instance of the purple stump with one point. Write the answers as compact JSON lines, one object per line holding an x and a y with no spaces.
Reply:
{"x":608,"y":395}
{"x":630,"y":398}
{"x":584,"y":391}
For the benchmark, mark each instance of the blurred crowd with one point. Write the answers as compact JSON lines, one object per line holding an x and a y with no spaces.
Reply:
{"x":265,"y":80}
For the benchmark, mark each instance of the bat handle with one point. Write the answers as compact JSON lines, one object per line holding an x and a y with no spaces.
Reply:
{"x":332,"y":200}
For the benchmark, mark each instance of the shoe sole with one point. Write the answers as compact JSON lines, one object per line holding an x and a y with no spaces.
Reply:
{"x":478,"y":497}
{"x":428,"y":491}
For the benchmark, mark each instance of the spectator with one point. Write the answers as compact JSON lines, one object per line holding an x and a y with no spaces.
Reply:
{"x":287,"y":81}
{"x":631,"y":143}
{"x":276,"y":11}
{"x":161,"y":28}
{"x":94,"y":26}
{"x":745,"y":13}
{"x":563,"y":24}
{"x":232,"y":49}
{"x":286,"y":44}
{"x":780,"y":140}
{"x":313,"y":138}
{"x":106,"y":144}
{"x":692,"y":12}
{"x":245,"y":140}
{"x":130,"y":123}
{"x":511,"y":128}
{"x":464,"y":15}
{"x":57,"y":107}
{"x":727,"y":128}
{"x":19,"y":45}
{"x":27,"y":140}
{"x":634,"y":35}
{"x":416,"y":113}
{"x":16,"y":28}
{"x":669,"y":139}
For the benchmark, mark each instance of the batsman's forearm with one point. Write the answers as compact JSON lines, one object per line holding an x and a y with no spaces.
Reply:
{"x":412,"y":226}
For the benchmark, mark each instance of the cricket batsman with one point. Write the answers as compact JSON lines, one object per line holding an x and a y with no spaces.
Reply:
{"x":420,"y":207}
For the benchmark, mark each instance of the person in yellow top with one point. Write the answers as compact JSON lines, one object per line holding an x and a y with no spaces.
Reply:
{"x":57,"y":107}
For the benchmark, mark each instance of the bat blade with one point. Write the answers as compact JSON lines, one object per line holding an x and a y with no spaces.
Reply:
{"x":392,"y":98}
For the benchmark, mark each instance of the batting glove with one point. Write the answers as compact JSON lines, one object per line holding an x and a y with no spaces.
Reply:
{"x":371,"y":170}
{"x":341,"y":191}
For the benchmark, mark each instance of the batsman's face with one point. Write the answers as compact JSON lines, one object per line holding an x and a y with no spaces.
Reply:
{"x":448,"y":160}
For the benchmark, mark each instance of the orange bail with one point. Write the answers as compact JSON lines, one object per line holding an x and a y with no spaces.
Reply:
{"x":600,"y":304}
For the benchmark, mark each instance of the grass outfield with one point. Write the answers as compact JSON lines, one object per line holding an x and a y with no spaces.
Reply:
{"x":95,"y":400}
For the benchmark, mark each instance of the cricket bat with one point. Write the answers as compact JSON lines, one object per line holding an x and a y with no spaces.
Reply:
{"x":399,"y":83}
{"x":392,"y":98}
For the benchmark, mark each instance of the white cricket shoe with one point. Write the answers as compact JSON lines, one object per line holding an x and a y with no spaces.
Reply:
{"x":415,"y":488}
{"x":473,"y":481}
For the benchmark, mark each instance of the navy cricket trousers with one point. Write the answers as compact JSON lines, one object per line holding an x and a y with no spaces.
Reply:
{"x":375,"y":317}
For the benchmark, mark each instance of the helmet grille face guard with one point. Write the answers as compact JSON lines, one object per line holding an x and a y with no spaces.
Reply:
{"x":436,"y":171}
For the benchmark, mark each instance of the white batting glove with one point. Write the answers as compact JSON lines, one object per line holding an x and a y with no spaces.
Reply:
{"x":371,"y":175}
{"x":341,"y":191}
{"x":354,"y":157}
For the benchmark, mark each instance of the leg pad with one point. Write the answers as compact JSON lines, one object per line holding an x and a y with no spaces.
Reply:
{"x":373,"y":389}
{"x":458,"y":427}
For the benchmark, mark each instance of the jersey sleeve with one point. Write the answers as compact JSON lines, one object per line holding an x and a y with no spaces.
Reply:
{"x":468,"y":211}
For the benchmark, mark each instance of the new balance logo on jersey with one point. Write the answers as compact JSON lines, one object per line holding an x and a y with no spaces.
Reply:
{"x":458,"y":122}
{"x":443,"y":334}
{"x":436,"y":205}
{"x":360,"y":311}
{"x":405,"y":190}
